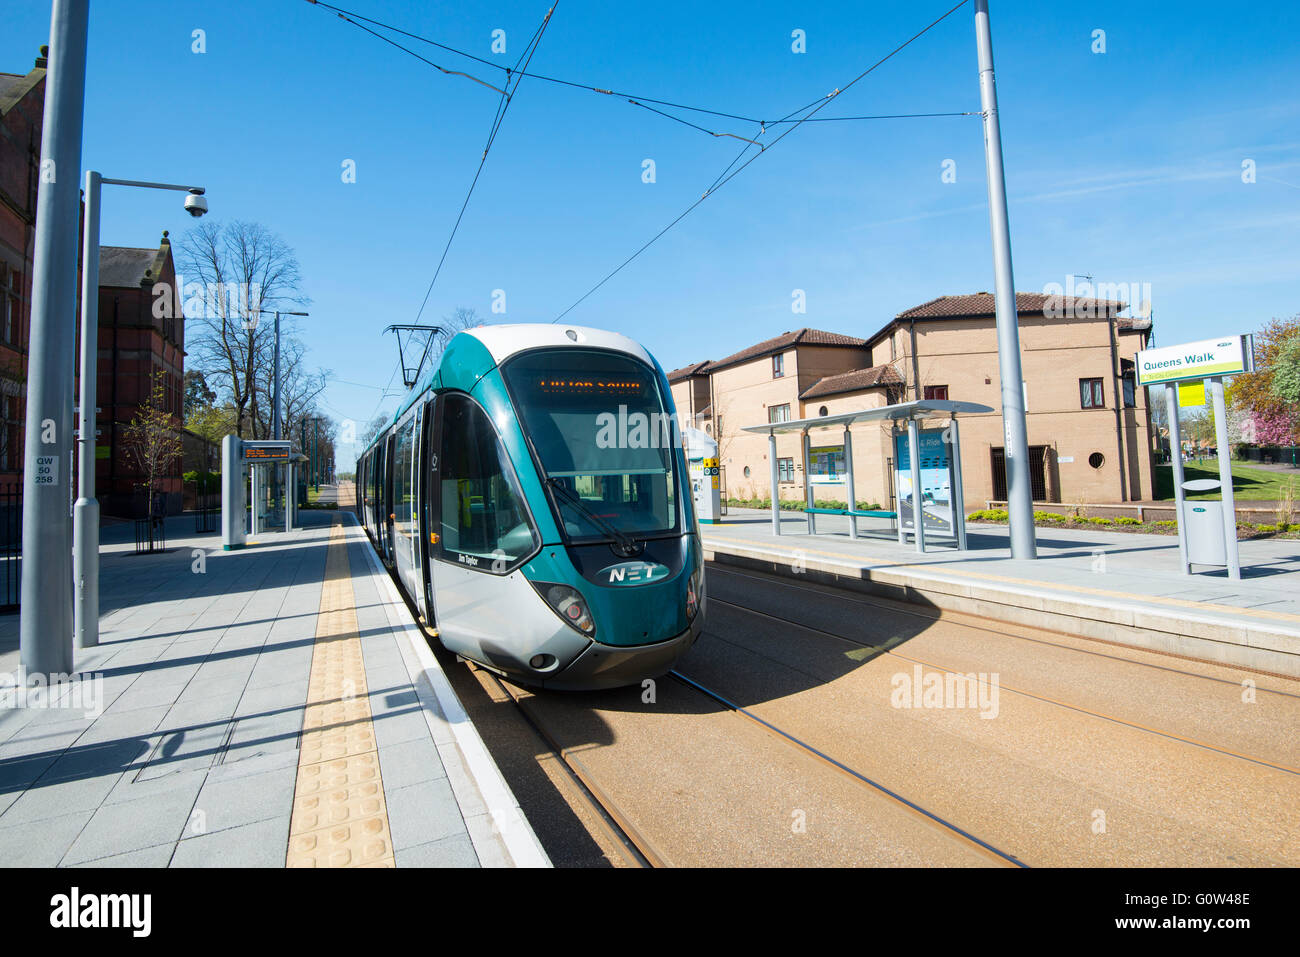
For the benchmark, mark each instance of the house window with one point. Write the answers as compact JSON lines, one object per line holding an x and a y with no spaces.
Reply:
{"x":785,"y":471}
{"x":6,"y":281}
{"x":10,"y":302}
{"x":1091,"y":395}
{"x":823,"y":411}
{"x":939,"y":392}
{"x":778,"y":365}
{"x":11,"y":452}
{"x":778,"y":413}
{"x":1130,"y":389}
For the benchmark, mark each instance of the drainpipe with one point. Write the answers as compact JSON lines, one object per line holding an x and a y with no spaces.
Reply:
{"x":916,"y":364}
{"x":1119,"y":404}
{"x":112,"y":415}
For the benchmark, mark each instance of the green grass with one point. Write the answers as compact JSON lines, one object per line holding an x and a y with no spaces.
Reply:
{"x":1248,"y":484}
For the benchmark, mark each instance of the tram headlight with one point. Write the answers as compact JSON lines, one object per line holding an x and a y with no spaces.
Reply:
{"x":569,"y":605}
{"x":695,"y":593}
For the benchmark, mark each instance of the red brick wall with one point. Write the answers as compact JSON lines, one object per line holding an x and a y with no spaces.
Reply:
{"x":20,"y":144}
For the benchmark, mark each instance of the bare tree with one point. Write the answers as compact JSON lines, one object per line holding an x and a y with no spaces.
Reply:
{"x":373,"y":429}
{"x":154,"y":442}
{"x":300,"y":387}
{"x":242,"y":267}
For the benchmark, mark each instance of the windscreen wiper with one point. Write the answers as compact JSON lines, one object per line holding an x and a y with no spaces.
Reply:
{"x":624,"y":544}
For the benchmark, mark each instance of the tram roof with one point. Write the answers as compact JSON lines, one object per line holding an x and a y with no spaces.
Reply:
{"x":919,"y":409}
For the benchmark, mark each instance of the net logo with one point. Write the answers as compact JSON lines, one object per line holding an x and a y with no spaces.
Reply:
{"x":634,"y":573}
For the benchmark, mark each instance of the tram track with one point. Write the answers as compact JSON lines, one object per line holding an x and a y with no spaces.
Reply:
{"x":761,"y":725}
{"x":807,"y":748}
{"x":619,"y":823}
{"x":1019,"y":691}
{"x":637,"y":849}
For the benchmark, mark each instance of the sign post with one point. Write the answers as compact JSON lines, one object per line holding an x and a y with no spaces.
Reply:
{"x":1208,"y":360}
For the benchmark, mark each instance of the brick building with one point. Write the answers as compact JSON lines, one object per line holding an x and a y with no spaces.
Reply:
{"x":134,"y":344}
{"x":1089,"y":428}
{"x":22,"y":106}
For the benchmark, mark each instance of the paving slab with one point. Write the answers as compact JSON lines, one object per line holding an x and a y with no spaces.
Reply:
{"x":201,"y":697}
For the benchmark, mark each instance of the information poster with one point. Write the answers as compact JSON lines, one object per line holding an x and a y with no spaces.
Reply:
{"x":936,"y":482}
{"x":826,"y":465}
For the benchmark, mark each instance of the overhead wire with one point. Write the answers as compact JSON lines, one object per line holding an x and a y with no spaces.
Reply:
{"x":504,"y":104}
{"x":722,"y":181}
{"x":632,"y":98}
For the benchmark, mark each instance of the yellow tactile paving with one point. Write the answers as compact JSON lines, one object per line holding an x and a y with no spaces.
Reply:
{"x":967,"y":573}
{"x":339,"y":816}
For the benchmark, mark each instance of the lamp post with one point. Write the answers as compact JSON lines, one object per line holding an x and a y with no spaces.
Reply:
{"x":275,"y":386}
{"x":85,"y":513}
{"x":275,"y":369}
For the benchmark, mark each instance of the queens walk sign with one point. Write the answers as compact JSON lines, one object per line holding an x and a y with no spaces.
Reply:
{"x":1195,"y":360}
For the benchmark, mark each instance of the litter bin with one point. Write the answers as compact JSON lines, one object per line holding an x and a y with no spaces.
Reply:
{"x":1203,"y":526}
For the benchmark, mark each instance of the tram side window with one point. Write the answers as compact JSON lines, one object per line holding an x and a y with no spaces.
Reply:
{"x":403,"y":488}
{"x":484,"y":523}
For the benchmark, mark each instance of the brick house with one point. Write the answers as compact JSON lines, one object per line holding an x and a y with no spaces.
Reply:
{"x":1076,"y":358}
{"x":22,"y":106}
{"x":1090,"y":433}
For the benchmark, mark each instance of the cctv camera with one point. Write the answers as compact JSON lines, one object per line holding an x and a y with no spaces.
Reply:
{"x":195,"y":205}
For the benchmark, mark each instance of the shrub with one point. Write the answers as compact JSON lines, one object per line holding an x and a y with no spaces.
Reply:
{"x":1097,"y":521}
{"x":1126,"y":520}
{"x":988,"y":515}
{"x":1166,"y":523}
{"x":1049,"y":517}
{"x":1267,"y":528}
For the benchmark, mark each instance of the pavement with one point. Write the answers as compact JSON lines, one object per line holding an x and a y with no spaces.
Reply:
{"x":269,"y":707}
{"x":1114,"y":586}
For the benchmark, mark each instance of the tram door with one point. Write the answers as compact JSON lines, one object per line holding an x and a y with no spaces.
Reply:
{"x":386,"y":515}
{"x":480,"y":533}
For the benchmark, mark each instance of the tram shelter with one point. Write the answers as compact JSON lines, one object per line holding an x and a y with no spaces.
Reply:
{"x":927,"y":465}
{"x":260,"y":473}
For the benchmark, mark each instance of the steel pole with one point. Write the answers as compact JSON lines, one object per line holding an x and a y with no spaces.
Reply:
{"x":1176,"y":472}
{"x":1020,"y":504}
{"x":45,"y":626}
{"x":918,"y":502}
{"x":1225,"y":478}
{"x":85,"y":513}
{"x":275,"y":388}
{"x":776,"y":503}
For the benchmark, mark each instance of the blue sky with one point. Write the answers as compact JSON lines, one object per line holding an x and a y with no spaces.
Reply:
{"x":1126,"y":165}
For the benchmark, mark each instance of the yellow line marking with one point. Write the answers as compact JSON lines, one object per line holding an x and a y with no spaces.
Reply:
{"x":339,"y":815}
{"x":961,"y":572}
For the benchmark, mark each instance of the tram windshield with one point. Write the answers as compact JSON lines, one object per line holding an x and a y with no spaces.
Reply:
{"x":604,"y":440}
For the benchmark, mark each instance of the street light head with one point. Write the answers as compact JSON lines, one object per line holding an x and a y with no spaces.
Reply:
{"x":195,"y":203}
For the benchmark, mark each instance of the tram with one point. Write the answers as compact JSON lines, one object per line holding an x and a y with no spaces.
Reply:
{"x":531,"y":500}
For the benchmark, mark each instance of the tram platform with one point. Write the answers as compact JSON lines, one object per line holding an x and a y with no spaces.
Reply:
{"x":1112,"y":586}
{"x":269,"y":707}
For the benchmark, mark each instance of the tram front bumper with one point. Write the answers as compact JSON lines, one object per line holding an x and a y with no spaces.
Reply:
{"x":611,"y":666}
